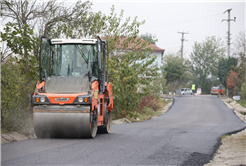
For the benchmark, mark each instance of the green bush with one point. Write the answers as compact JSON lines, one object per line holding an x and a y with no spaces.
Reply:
{"x":13,"y":97}
{"x":243,"y":91}
{"x":124,"y":89}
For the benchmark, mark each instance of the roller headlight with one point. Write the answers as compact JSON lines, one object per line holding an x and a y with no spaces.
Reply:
{"x":80,"y":99}
{"x":83,"y":99}
{"x":42,"y":99}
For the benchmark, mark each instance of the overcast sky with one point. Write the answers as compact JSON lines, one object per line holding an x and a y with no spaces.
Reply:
{"x":165,"y":18}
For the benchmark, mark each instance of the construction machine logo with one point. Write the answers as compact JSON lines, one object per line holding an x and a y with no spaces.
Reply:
{"x":61,"y":99}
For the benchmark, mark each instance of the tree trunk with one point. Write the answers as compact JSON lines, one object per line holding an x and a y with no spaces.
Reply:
{"x":29,"y":109}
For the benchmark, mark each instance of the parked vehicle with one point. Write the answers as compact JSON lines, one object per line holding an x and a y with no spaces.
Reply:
{"x":186,"y":91}
{"x":214,"y":90}
{"x":218,"y":90}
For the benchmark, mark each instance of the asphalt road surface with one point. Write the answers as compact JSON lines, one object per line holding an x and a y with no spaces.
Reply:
{"x":188,"y":134}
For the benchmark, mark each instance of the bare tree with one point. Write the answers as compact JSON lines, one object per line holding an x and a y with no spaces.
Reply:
{"x":48,"y":18}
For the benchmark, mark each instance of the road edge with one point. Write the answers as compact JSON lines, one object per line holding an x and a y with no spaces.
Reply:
{"x":16,"y":136}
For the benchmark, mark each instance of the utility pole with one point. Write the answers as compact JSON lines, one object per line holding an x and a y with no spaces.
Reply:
{"x":228,"y":33}
{"x":182,"y":41}
{"x":228,"y":37}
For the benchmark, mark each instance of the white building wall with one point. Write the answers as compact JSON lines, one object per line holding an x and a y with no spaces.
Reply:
{"x":158,"y":58}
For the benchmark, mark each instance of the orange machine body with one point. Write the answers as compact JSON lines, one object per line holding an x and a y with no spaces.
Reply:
{"x":96,"y":100}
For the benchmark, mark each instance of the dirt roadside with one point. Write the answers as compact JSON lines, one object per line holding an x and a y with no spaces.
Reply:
{"x":14,"y":136}
{"x":125,"y":120}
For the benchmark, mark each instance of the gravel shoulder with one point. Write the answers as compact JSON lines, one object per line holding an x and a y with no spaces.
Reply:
{"x":233,"y":147}
{"x":14,"y":136}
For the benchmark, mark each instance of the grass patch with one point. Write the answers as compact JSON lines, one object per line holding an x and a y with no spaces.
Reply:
{"x":242,"y":103}
{"x":2,"y":131}
{"x":223,"y":136}
{"x":148,"y":112}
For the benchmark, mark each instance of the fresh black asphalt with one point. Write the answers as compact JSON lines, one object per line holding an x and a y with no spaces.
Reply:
{"x":188,"y":134}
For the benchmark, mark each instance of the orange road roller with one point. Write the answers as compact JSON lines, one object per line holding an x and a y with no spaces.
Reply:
{"x":73,"y":98}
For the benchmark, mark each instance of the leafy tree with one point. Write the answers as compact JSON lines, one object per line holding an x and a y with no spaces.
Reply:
{"x":204,"y":58}
{"x":240,"y":48}
{"x":50,"y":13}
{"x":130,"y":60}
{"x":231,"y":80}
{"x":243,"y":91}
{"x":124,"y":89}
{"x":149,"y":38}
{"x":157,"y":86}
{"x":22,"y":42}
{"x":240,"y":53}
{"x":224,"y":68}
{"x":14,"y":81}
{"x":16,"y":40}
{"x":174,"y":68}
{"x":49,"y":18}
{"x":131,"y":72}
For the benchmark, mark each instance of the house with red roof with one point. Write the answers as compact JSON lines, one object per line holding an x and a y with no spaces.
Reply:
{"x":136,"y":43}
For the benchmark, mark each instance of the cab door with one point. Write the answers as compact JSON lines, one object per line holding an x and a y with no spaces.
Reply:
{"x":101,"y":81}
{"x":44,"y":58}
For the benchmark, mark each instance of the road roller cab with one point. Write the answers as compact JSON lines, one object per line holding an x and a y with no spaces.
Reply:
{"x":73,"y":98}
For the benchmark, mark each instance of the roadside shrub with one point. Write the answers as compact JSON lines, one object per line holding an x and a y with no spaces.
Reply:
{"x":243,"y":91}
{"x":13,"y":100}
{"x":124,"y":88}
{"x":148,"y":101}
{"x":156,"y":87}
{"x":231,"y":82}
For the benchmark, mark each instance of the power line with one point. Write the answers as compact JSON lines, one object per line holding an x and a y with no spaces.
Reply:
{"x":182,"y":21}
{"x":213,"y":30}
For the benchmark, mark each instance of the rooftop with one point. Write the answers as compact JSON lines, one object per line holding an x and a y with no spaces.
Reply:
{"x":136,"y":45}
